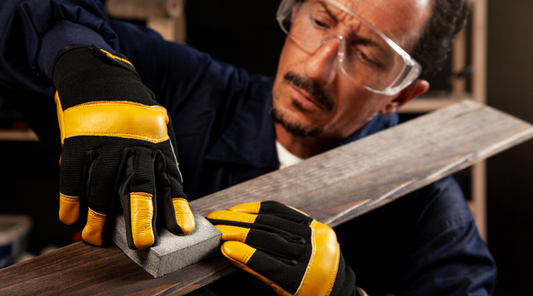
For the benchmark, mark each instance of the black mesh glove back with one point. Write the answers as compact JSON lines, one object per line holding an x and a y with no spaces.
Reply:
{"x":285,"y":248}
{"x":118,"y":143}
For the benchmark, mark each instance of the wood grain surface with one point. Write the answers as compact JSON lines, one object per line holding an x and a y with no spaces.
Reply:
{"x":333,"y":187}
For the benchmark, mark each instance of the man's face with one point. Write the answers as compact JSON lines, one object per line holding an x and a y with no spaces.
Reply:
{"x":311,"y":96}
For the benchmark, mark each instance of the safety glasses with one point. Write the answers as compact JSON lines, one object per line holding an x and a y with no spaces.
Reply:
{"x":365,"y":54}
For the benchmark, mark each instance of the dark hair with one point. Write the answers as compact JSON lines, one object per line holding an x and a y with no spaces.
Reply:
{"x":433,"y":47}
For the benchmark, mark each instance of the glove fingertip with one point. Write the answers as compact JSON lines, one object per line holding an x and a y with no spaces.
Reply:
{"x":141,"y":220}
{"x":184,"y":215}
{"x":249,"y":207}
{"x":143,"y":241}
{"x":237,"y":251}
{"x":215,"y":214}
{"x":232,"y":216}
{"x":69,"y":208}
{"x":93,"y":230}
{"x":233,"y":233}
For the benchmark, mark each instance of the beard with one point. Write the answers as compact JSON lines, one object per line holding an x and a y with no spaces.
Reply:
{"x":293,"y":128}
{"x":316,"y":92}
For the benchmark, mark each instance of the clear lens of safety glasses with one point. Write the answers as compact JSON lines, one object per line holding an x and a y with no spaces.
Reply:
{"x":366,"y":55}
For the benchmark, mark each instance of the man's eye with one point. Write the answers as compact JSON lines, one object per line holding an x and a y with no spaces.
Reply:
{"x":320,"y":24}
{"x":358,"y":54}
{"x":365,"y":58}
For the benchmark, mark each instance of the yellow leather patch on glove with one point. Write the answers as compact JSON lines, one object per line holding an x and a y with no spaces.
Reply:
{"x":92,"y":232}
{"x":237,"y":252}
{"x":69,"y":208}
{"x":249,"y":207}
{"x":142,"y":214}
{"x":232,"y":216}
{"x":115,"y":119}
{"x":184,"y":215}
{"x":233,"y":233}
{"x":323,"y":265}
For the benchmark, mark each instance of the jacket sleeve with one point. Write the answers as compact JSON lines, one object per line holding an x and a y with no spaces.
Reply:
{"x":35,"y":29}
{"x":450,"y":258}
{"x":31,"y":34}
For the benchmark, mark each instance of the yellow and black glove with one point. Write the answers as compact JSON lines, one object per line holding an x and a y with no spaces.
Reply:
{"x":285,"y":248}
{"x":118,"y":145}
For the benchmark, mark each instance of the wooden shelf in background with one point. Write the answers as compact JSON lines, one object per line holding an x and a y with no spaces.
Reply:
{"x":17,"y":135}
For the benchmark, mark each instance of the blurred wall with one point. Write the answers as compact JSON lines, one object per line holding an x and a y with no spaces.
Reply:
{"x":510,"y":174}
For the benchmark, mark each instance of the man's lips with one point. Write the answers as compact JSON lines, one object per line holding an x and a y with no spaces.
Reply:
{"x":307,"y":95}
{"x":305,"y":99}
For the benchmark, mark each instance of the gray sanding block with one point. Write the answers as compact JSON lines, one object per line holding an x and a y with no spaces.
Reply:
{"x":172,"y":252}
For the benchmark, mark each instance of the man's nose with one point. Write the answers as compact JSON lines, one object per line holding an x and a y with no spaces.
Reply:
{"x":321,"y":66}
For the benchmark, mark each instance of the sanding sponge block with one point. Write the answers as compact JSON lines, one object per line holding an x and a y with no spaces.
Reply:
{"x":172,"y":252}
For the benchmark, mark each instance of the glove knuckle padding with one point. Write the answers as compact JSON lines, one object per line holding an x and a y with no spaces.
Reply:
{"x":291,"y":266}
{"x":104,"y":109}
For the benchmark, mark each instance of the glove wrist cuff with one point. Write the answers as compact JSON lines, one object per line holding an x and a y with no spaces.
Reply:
{"x":85,"y":74}
{"x":76,"y":57}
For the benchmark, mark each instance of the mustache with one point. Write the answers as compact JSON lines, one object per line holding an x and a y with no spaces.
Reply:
{"x":314,"y":89}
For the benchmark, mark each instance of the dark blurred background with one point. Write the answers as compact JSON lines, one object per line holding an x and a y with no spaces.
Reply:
{"x":245,"y":33}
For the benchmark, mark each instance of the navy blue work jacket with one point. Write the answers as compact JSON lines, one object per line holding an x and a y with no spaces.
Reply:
{"x":425,"y":243}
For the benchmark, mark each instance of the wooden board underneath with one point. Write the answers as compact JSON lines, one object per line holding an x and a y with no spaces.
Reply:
{"x":83,"y":269}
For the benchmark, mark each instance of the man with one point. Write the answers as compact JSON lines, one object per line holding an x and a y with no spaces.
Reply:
{"x":344,"y":70}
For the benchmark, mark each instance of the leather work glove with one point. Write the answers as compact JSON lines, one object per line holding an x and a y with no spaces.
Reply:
{"x":285,"y":248}
{"x":118,"y":144}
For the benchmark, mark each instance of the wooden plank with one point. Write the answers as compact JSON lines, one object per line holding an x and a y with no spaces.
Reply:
{"x":333,"y":187}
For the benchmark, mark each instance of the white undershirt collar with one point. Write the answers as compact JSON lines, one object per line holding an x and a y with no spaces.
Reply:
{"x":286,"y":159}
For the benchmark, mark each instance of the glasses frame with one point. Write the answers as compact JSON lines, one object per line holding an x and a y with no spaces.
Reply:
{"x":411,"y":68}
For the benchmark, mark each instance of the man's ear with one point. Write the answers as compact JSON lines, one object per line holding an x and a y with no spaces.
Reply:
{"x":415,"y":89}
